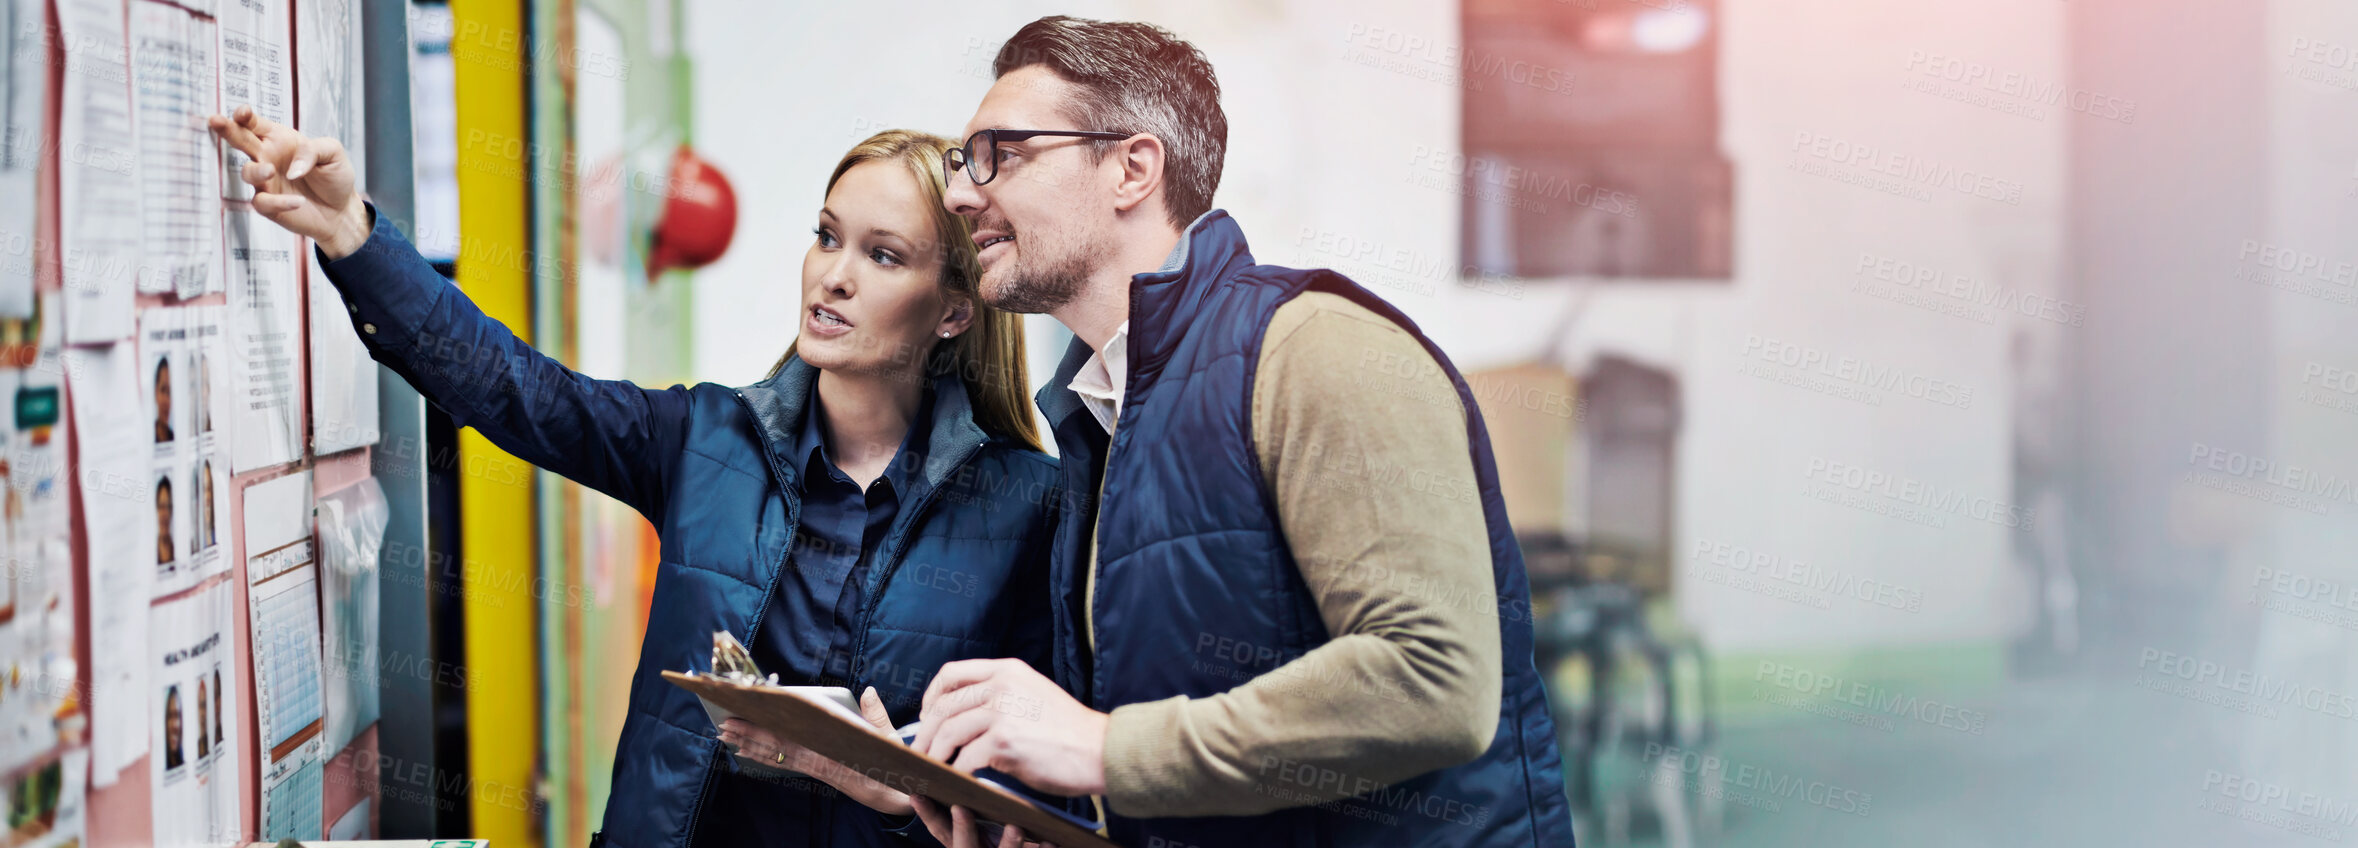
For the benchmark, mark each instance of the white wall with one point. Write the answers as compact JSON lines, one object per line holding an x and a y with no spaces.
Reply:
{"x":782,"y":90}
{"x":2313,"y":208}
{"x":1322,"y":143}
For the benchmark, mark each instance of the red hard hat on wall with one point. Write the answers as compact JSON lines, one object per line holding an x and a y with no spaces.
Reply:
{"x":699,"y":216}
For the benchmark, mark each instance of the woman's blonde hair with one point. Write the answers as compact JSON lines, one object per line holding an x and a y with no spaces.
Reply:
{"x":989,"y":356}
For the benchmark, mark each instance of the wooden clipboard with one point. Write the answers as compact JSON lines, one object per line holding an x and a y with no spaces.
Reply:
{"x":882,"y":758}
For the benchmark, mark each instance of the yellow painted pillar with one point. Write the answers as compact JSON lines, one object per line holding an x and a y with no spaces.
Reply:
{"x":496,"y":490}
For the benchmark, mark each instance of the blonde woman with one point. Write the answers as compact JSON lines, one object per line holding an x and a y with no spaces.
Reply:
{"x":875,"y":508}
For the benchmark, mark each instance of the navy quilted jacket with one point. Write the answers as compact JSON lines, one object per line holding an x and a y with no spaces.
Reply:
{"x":962,"y":574}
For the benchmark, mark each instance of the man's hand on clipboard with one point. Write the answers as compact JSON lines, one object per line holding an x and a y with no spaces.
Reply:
{"x":757,"y":746}
{"x":1005,"y":716}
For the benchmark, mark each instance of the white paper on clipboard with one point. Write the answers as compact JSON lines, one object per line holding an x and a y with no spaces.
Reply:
{"x":834,"y":698}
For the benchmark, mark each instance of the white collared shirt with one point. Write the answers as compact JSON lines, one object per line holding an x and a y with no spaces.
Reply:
{"x":1100,"y":380}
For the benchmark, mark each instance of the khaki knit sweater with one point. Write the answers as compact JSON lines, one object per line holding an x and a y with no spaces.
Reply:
{"x":1362,"y":439}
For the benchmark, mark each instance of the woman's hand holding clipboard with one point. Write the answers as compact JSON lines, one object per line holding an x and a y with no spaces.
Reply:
{"x":862,"y":747}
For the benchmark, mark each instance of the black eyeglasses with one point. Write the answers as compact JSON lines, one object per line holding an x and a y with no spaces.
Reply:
{"x":980,"y":156}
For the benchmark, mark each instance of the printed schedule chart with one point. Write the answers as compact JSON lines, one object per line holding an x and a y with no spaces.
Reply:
{"x":282,"y":582}
{"x":292,"y":793}
{"x":286,"y":642}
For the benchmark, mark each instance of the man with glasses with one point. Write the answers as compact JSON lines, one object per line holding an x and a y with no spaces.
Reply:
{"x":1295,"y":612}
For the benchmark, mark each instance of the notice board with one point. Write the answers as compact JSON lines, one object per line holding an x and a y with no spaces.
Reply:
{"x":188,"y":617}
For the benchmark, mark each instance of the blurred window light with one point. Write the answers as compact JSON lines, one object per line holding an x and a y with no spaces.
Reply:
{"x":1668,"y":30}
{"x":1591,"y":141}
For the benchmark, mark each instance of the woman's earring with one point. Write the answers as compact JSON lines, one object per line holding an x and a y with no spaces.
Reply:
{"x":945,"y":334}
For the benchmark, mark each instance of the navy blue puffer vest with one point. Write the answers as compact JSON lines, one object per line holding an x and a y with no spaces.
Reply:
{"x":959,"y":577}
{"x":1190,"y":554}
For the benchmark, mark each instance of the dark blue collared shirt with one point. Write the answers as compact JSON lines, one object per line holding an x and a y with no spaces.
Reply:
{"x":812,"y":626}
